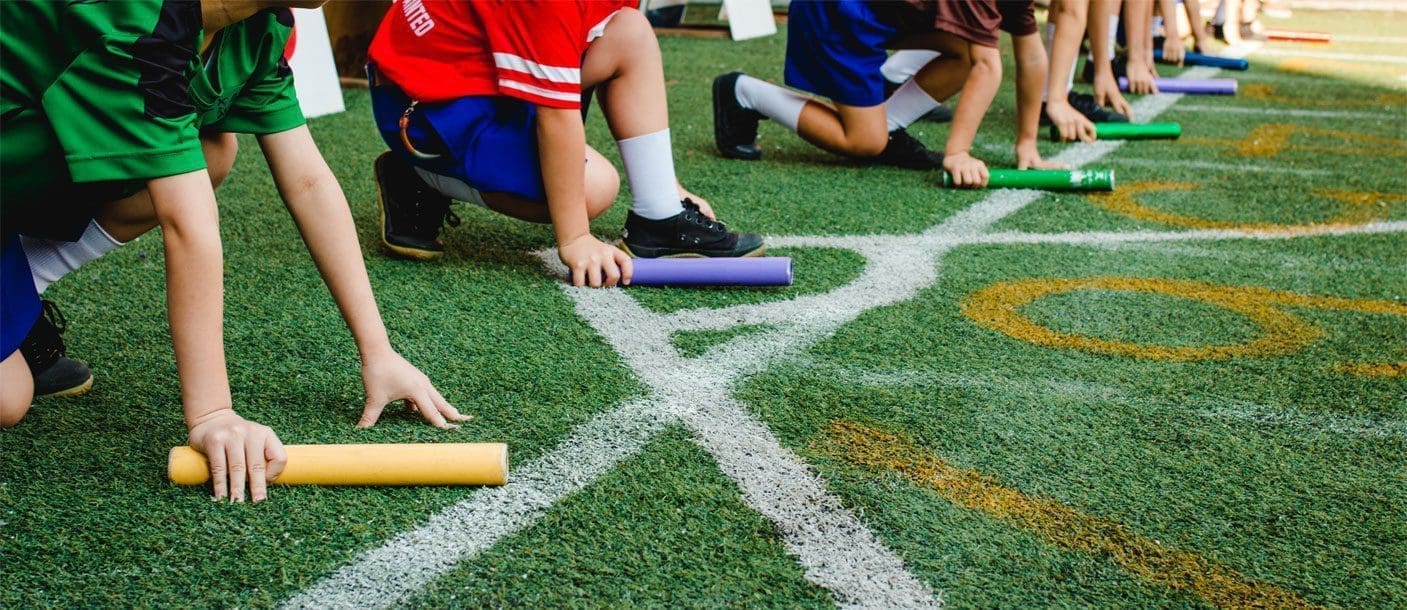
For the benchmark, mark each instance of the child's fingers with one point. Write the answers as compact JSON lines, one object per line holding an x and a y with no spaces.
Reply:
{"x":1087,"y":133}
{"x":447,"y":409}
{"x":579,"y":276}
{"x":234,"y":455}
{"x":216,"y":454}
{"x":426,"y":406}
{"x":371,"y":412}
{"x":593,"y":273}
{"x":276,"y":456}
{"x":627,"y":266}
{"x":612,"y":272}
{"x":254,"y":450}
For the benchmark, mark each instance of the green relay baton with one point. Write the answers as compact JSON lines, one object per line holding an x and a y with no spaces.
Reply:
{"x":1047,"y":179}
{"x":1130,"y":131}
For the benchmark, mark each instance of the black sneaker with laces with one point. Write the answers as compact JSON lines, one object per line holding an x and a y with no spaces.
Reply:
{"x":688,"y":234}
{"x":1119,"y":64}
{"x":734,"y":127}
{"x":904,"y":150}
{"x":411,"y":211}
{"x":1085,"y":105}
{"x":55,"y":374}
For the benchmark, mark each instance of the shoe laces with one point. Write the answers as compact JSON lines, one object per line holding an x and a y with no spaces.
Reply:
{"x":694,"y":215}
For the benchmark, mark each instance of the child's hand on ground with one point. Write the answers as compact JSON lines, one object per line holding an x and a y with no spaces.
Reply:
{"x":389,"y":377}
{"x":967,"y":171}
{"x":595,"y":263}
{"x":1028,"y":157}
{"x":704,"y":207}
{"x":1069,"y":122}
{"x":1107,"y":95}
{"x":238,"y":449}
{"x":1173,"y":51}
{"x":1141,"y":77}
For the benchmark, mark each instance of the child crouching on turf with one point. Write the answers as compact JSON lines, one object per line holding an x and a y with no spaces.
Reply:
{"x":103,"y":107}
{"x":481,"y":101}
{"x":835,"y":48}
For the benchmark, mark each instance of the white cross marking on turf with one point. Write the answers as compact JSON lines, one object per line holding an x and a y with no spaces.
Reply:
{"x":836,"y":549}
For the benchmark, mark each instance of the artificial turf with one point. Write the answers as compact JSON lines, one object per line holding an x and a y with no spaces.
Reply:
{"x":1280,"y":467}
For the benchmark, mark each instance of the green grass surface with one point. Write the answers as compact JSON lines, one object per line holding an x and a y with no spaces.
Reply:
{"x":1280,"y":467}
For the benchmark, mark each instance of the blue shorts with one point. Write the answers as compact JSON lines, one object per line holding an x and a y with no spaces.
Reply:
{"x":19,"y":301}
{"x":489,"y":142}
{"x":835,"y":49}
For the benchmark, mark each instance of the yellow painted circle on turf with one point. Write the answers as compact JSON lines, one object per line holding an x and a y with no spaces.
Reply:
{"x":1357,"y":208}
{"x":998,"y":307}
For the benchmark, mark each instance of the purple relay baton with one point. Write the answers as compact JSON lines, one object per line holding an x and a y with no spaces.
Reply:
{"x":1202,"y":86}
{"x":746,"y":271}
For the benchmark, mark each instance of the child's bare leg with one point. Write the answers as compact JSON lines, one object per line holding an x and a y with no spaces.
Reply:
{"x":624,"y":65}
{"x":129,"y":218}
{"x":602,"y":186}
{"x":117,"y":222}
{"x":854,"y":131}
{"x":18,"y":391}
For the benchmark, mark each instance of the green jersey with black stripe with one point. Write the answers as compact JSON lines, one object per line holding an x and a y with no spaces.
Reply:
{"x":98,"y":97}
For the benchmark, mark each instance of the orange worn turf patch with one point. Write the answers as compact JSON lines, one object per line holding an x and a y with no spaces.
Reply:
{"x":1267,"y":92}
{"x":998,"y":307}
{"x":1358,"y":208}
{"x":1056,"y":523}
{"x":1391,"y":369}
{"x":1270,"y":139}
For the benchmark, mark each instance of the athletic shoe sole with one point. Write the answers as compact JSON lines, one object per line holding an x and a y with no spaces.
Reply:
{"x":401,"y":251}
{"x":81,"y":388}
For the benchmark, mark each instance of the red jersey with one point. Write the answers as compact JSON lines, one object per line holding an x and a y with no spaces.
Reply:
{"x":437,"y":50}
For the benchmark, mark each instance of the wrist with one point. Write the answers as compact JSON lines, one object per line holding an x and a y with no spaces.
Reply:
{"x":195,"y":418}
{"x":375,"y":350}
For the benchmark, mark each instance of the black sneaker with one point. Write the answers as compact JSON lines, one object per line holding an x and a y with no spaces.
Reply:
{"x":55,"y":374}
{"x":1086,"y":106}
{"x":734,"y":127}
{"x":411,"y":211}
{"x":688,"y":234}
{"x":1248,"y":33}
{"x":903,"y":150}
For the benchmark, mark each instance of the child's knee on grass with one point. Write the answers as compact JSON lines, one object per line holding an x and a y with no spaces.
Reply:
{"x":129,"y":218}
{"x":18,"y":391}
{"x":602,"y":183}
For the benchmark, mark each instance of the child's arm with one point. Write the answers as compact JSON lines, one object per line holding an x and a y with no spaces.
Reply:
{"x":977,"y":92}
{"x":1172,"y":36}
{"x":1030,"y":82}
{"x":1106,"y":87}
{"x":185,"y":207}
{"x":562,"y":147}
{"x":1200,"y":43}
{"x":320,"y":210}
{"x":1138,"y":21}
{"x":1069,"y":17}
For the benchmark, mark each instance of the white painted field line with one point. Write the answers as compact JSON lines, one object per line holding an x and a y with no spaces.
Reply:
{"x":390,"y":574}
{"x":1340,"y":425}
{"x":1100,"y":238}
{"x":1294,"y":112}
{"x":837,"y":550}
{"x":1228,"y":167}
{"x":1363,"y":57}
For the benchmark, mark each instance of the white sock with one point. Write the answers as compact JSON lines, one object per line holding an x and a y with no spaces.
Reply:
{"x":1220,"y":17}
{"x":451,"y":187}
{"x":907,"y":104}
{"x":777,"y":103}
{"x":1113,"y":33}
{"x":50,"y":259}
{"x":903,"y":65}
{"x":649,"y":168}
